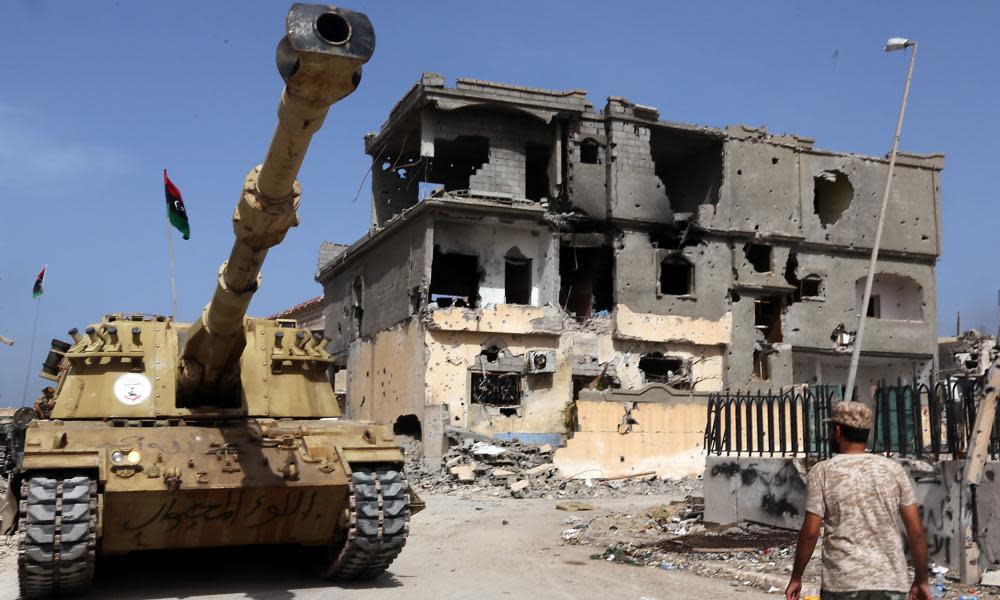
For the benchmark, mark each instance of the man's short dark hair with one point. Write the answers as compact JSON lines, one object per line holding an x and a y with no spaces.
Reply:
{"x":853,"y":434}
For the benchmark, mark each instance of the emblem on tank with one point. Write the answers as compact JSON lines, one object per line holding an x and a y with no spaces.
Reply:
{"x":133,"y":388}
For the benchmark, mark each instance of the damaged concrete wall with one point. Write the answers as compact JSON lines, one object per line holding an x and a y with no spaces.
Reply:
{"x":377,"y":292}
{"x":772,"y":491}
{"x":494,"y":243}
{"x":451,"y":356}
{"x":587,"y":164}
{"x":657,"y":430}
{"x":638,"y":277}
{"x":508,"y":136}
{"x":635,"y":192}
{"x":380,"y":386}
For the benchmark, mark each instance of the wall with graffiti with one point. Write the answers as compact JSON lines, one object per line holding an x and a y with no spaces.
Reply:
{"x":772,"y":491}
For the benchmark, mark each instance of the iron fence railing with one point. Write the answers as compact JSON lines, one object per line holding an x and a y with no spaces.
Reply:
{"x":786,"y":422}
{"x":931,"y":420}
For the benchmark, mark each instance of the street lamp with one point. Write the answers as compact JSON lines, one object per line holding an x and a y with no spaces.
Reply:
{"x":891,"y":45}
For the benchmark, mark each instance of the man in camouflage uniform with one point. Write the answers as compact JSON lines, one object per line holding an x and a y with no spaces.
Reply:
{"x":45,"y":403}
{"x":859,"y":499}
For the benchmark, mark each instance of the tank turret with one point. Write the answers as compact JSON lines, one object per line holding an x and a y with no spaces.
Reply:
{"x":320,"y":60}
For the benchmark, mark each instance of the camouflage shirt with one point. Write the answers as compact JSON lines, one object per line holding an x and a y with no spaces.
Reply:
{"x":859,"y":497}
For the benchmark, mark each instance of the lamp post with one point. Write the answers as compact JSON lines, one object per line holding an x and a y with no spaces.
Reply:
{"x":891,"y":45}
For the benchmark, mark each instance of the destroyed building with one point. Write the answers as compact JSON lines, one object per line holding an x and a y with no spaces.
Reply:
{"x":524,"y":246}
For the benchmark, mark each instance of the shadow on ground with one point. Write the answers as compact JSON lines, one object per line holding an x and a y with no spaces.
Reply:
{"x":258,"y":572}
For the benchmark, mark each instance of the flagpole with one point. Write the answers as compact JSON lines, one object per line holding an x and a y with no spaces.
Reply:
{"x":173,"y":285}
{"x":31,"y":351}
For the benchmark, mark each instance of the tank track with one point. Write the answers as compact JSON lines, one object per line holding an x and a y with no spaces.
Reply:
{"x":58,"y":535}
{"x":378,"y":522}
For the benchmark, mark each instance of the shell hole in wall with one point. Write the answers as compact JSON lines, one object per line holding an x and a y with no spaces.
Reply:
{"x":832,"y":195}
{"x":408,"y":425}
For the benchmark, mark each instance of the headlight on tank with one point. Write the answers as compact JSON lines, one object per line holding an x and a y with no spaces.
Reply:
{"x":118,"y":457}
{"x":133,"y":457}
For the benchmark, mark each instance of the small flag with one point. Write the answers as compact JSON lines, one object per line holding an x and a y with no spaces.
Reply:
{"x":176,"y":212}
{"x":37,"y":290}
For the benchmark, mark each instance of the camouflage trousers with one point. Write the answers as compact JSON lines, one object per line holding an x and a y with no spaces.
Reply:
{"x":863,"y":595}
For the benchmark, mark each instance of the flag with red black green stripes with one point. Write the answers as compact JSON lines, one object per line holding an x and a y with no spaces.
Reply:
{"x":176,"y":212}
{"x":37,"y":290}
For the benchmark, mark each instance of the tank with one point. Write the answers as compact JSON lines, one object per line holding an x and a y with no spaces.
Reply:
{"x":221,"y":432}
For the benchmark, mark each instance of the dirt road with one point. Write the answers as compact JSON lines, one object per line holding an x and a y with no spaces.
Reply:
{"x":458,"y":548}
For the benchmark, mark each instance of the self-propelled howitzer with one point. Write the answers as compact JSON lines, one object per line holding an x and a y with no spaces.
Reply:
{"x":225,"y":431}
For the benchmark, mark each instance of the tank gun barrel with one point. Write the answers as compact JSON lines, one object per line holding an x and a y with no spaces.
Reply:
{"x":320,"y":60}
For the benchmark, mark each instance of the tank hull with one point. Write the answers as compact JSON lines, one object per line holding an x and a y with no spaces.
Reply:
{"x":171,"y":485}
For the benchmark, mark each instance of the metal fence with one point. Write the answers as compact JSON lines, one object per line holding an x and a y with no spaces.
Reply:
{"x":788,"y":422}
{"x":931,"y":420}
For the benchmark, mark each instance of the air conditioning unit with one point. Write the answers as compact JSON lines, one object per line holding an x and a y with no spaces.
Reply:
{"x":542,"y":361}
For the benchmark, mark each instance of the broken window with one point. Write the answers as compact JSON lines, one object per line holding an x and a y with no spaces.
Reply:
{"x":456,"y":161}
{"x":517,"y":278}
{"x":759,"y":256}
{"x":357,"y":306}
{"x":496,"y":389}
{"x":454,"y":279}
{"x":894,"y":297}
{"x":536,"y":172}
{"x":586,"y":286}
{"x":589,"y":151}
{"x":811,"y":287}
{"x":832,"y":196}
{"x":690,"y":166}
{"x":676,"y":276}
{"x":669,"y":370}
{"x":761,"y":366}
{"x":767,"y":318}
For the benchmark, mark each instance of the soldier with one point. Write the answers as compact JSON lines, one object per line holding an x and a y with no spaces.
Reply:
{"x":859,"y":499}
{"x":45,"y":403}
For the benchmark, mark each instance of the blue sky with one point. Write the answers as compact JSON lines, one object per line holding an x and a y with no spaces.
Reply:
{"x":98,"y":97}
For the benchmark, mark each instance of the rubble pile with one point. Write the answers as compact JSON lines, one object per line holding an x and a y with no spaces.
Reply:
{"x":674,"y":537}
{"x":477,"y":465}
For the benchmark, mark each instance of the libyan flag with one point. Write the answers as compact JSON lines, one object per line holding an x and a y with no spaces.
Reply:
{"x":37,"y":290}
{"x":176,"y":212}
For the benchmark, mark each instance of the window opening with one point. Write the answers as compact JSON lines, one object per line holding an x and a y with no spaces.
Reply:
{"x":589,"y":151}
{"x":517,"y":278}
{"x":536,"y":172}
{"x":669,"y":370}
{"x":586,"y":285}
{"x":496,"y":389}
{"x":676,"y":276}
{"x":454,"y":279}
{"x":759,"y":256}
{"x":767,"y":318}
{"x":812,"y":286}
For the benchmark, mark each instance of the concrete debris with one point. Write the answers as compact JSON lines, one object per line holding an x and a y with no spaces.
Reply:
{"x":573,"y":506}
{"x":474,"y":467}
{"x":674,"y":537}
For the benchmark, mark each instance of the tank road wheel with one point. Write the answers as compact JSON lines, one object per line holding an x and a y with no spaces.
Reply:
{"x":378,"y":518}
{"x":58,"y":534}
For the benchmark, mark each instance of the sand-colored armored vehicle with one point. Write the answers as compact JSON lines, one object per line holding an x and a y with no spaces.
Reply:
{"x":225,"y":431}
